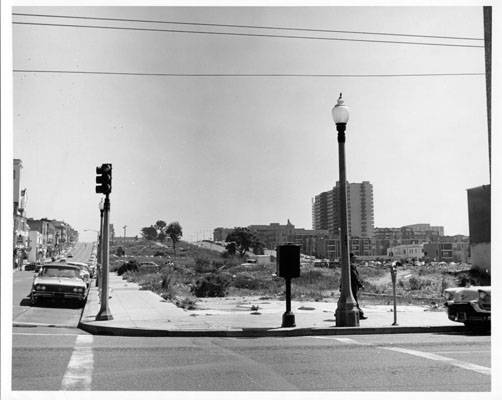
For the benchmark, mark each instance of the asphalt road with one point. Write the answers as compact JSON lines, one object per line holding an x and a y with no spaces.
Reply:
{"x":406,"y":362}
{"x":50,"y":353}
{"x":45,"y":314}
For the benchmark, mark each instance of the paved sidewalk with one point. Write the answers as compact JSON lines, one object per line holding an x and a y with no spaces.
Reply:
{"x":138,"y":312}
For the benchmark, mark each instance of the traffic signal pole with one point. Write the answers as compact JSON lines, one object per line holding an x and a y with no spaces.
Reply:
{"x":104,"y":312}
{"x":104,"y":186}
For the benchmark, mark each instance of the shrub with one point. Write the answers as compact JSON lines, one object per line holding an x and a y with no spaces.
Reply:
{"x":159,"y":254}
{"x":131,"y":265}
{"x":120,"y":251}
{"x":186,"y":303}
{"x":419,"y":284}
{"x":211,"y":286}
{"x":245,"y":280}
{"x":204,"y":265}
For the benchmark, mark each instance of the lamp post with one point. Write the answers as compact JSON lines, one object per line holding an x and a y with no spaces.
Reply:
{"x":346,"y":313}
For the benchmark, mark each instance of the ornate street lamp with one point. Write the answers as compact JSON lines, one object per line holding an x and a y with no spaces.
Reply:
{"x":347,"y":313}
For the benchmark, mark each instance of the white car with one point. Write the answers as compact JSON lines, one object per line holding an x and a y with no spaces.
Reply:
{"x":58,"y":281}
{"x":469,"y":305}
{"x":85,"y":271}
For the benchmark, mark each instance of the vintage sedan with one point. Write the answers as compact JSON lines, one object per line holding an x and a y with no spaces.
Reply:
{"x":58,"y":281}
{"x":85,"y":270}
{"x":469,"y":305}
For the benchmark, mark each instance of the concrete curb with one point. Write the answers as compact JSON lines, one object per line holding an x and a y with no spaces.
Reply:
{"x":37,"y":325}
{"x":120,"y":328}
{"x":263,"y":332}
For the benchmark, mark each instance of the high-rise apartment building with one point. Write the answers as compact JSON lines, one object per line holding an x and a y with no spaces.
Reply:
{"x":326,"y":206}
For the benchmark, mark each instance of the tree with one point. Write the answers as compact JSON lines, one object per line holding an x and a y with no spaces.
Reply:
{"x":244,"y":239}
{"x":149,"y":233}
{"x":160,"y":226}
{"x":231,"y":248}
{"x":175,"y":233}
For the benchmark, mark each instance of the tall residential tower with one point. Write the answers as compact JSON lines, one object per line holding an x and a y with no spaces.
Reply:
{"x":326,"y":206}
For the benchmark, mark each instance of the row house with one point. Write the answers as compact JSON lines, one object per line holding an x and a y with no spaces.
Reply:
{"x":35,"y":240}
{"x":21,"y":228}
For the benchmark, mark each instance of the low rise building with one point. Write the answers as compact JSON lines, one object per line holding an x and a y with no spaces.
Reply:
{"x":36,"y":249}
{"x":406,"y":251}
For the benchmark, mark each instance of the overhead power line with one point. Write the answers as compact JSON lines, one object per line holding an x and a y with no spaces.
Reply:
{"x":246,"y":34}
{"x":75,"y":72}
{"x":243,"y":26}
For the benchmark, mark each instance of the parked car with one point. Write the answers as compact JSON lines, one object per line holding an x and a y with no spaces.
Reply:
{"x":85,"y":270}
{"x":149,"y":265}
{"x":58,"y":281}
{"x":34,"y":266}
{"x":469,"y":305}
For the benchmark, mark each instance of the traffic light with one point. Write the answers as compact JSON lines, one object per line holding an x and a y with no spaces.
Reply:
{"x":104,"y":179}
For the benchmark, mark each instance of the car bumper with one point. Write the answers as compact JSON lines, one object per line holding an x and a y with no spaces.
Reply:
{"x":59,"y":296}
{"x":467,"y":312}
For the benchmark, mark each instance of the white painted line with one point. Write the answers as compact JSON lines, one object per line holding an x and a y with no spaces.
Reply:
{"x":431,"y":356}
{"x":347,"y":340}
{"x":78,"y":374}
{"x":462,"y":351}
{"x":343,"y":340}
{"x":43,"y":334}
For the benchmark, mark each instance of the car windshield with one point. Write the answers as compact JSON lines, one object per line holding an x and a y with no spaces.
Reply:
{"x":59,"y":272}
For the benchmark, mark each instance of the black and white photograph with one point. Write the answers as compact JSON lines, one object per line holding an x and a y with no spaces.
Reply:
{"x":274,"y":199}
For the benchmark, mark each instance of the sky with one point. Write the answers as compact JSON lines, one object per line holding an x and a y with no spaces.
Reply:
{"x":225,"y":151}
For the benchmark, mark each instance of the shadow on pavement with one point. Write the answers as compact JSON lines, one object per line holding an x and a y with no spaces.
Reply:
{"x":477,"y":331}
{"x":26,"y":302}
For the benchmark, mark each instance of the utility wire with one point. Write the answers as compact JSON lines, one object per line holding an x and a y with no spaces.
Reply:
{"x":246,"y":75}
{"x":245,"y":34}
{"x":243,"y":26}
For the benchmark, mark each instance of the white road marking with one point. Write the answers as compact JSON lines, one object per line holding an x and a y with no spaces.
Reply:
{"x":436,"y":357}
{"x":43,"y":334}
{"x":343,"y":340}
{"x":431,"y":356}
{"x":463,"y":351}
{"x":78,"y":374}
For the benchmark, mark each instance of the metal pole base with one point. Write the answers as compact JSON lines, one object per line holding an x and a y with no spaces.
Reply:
{"x":347,"y":317}
{"x":288,"y":320}
{"x":104,"y":315}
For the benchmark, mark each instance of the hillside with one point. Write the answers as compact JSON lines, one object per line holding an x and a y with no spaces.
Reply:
{"x":203,"y":272}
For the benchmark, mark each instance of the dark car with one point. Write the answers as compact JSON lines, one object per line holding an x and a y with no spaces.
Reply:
{"x":34,"y":266}
{"x":469,"y":305}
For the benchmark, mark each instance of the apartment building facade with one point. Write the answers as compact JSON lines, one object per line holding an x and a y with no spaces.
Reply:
{"x":360,"y":212}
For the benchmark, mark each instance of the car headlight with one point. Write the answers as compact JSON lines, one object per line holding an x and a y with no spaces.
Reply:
{"x":448,"y":296}
{"x":77,"y":289}
{"x":482,"y":295}
{"x":40,"y":287}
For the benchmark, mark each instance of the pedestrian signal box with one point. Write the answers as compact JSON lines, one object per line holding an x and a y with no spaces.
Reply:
{"x":288,"y":261}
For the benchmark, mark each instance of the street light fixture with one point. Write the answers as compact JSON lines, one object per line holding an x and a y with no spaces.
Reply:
{"x":347,"y":313}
